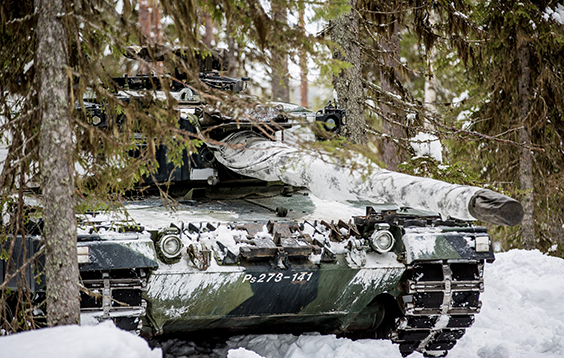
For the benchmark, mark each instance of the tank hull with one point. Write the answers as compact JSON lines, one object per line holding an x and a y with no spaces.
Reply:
{"x":257,"y":297}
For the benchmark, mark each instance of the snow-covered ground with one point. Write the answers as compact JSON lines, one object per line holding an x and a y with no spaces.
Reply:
{"x":522,"y":317}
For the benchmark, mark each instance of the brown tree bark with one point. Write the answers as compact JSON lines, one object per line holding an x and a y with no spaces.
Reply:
{"x":303,"y":67}
{"x":391,"y":152}
{"x":145,"y":18}
{"x":150,"y":20}
{"x":348,"y":83}
{"x":280,"y":82}
{"x":56,"y":150}
{"x":526,"y":159}
{"x":208,"y":23}
{"x":156,"y":20}
{"x":232,"y":49}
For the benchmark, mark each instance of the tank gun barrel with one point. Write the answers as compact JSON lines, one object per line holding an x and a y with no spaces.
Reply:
{"x":250,"y":154}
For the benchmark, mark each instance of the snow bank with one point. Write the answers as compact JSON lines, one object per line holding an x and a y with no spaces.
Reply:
{"x":242,"y":353}
{"x":309,"y":346}
{"x":523,"y":309}
{"x":330,"y":346}
{"x":103,"y":340}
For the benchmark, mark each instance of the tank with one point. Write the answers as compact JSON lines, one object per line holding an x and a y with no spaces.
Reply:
{"x":393,"y":273}
{"x":246,"y":251}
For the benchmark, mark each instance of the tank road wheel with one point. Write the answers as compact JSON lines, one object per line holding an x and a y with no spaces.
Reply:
{"x":376,"y":320}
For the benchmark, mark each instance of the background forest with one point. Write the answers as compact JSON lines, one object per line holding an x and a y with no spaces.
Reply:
{"x":469,"y":92}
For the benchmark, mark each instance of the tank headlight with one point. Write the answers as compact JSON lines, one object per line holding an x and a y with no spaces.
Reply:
{"x":330,"y":124}
{"x":170,"y":246}
{"x":382,"y":241}
{"x":96,"y":120}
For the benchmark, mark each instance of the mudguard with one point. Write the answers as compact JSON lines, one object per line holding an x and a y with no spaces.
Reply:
{"x":127,"y":253}
{"x":444,"y":243}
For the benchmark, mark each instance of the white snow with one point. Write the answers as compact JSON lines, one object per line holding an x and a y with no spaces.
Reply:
{"x":312,"y":346}
{"x":27,"y":66}
{"x":425,"y":144}
{"x":333,"y":210}
{"x":557,"y":14}
{"x":522,"y":313}
{"x":457,"y":100}
{"x":103,"y":340}
{"x":522,"y":316}
{"x":242,"y":353}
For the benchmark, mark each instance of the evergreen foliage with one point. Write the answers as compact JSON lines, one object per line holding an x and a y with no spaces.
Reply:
{"x":508,"y":26}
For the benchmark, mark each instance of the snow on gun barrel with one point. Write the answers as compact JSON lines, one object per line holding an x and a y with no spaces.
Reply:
{"x":251,"y":154}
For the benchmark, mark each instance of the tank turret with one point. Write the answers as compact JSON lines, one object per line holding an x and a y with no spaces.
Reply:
{"x":245,"y":147}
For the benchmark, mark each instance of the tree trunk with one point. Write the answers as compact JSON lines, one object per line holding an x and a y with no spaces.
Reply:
{"x":526,"y":159}
{"x":156,"y":22}
{"x":150,"y":20}
{"x":145,"y":22}
{"x":232,"y":49}
{"x":430,"y":96}
{"x":391,"y":152}
{"x":150,"y":26}
{"x":208,"y":37}
{"x":430,"y":81}
{"x":280,"y":81}
{"x":348,"y":83}
{"x":56,"y":150}
{"x":303,"y":68}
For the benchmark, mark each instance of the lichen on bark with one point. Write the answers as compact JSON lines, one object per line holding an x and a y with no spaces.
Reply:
{"x":56,"y":150}
{"x":348,"y":83}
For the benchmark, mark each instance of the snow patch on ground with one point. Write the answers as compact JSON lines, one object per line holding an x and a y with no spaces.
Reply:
{"x":522,"y":313}
{"x":242,"y":353}
{"x":309,"y":346}
{"x":331,"y":346}
{"x":103,"y":340}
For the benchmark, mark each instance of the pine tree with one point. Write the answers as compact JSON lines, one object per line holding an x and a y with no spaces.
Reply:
{"x":56,"y":150}
{"x":522,"y":70}
{"x":345,"y":32}
{"x":280,"y":81}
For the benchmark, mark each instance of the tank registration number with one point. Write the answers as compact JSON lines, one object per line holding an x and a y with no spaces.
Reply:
{"x":277,"y":277}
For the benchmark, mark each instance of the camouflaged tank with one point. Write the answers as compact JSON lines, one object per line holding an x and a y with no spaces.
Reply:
{"x":392,"y":273}
{"x":245,"y":251}
{"x":398,"y":274}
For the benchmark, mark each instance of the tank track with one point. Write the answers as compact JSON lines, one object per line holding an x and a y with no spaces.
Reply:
{"x":116,"y":295}
{"x":439,"y":302}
